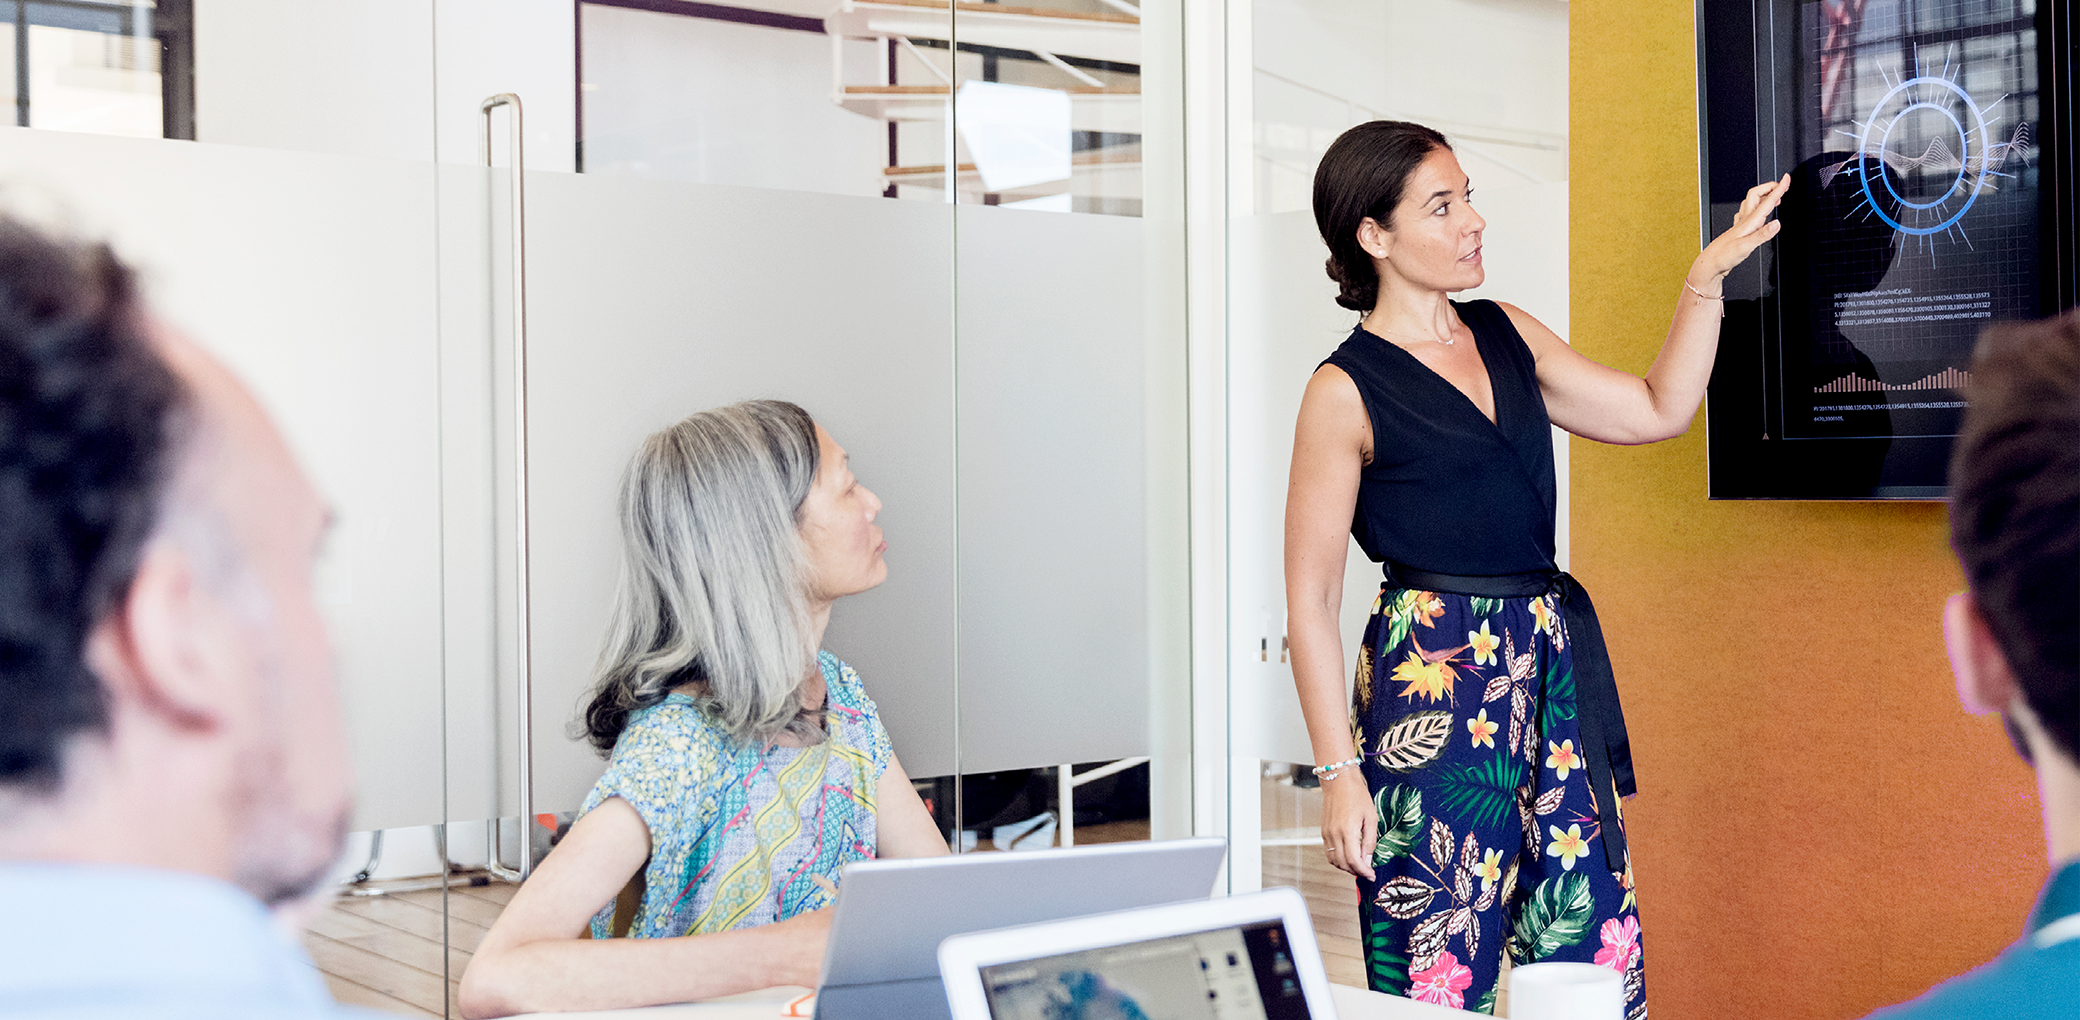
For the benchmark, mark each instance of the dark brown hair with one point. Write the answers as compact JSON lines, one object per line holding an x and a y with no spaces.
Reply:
{"x":1363,"y":174}
{"x":87,"y":433}
{"x":2015,"y":510}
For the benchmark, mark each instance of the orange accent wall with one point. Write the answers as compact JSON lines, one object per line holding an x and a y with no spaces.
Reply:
{"x":1821,"y":830}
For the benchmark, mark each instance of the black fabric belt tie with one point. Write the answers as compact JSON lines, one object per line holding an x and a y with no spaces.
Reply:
{"x":1606,"y":749}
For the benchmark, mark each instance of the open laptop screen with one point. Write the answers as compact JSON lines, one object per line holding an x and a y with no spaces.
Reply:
{"x":1244,"y":972}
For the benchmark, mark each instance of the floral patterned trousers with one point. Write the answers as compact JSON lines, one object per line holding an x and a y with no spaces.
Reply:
{"x":1489,"y":843}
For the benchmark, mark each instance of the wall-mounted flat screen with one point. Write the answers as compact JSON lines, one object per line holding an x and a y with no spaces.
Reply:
{"x":1928,"y":146}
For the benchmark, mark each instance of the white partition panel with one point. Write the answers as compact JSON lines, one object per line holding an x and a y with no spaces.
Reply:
{"x":1283,"y":320}
{"x":312,"y":276}
{"x":476,"y":498}
{"x":650,"y":300}
{"x":1170,"y":520}
{"x":1054,"y":543}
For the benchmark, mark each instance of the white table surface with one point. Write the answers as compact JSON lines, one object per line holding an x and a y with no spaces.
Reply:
{"x":773,"y":1003}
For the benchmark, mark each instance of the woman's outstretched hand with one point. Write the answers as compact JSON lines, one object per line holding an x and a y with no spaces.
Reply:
{"x":1349,"y":824}
{"x":1751,"y":227}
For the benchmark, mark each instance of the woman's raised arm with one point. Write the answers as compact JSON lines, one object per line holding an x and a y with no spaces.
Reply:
{"x":534,"y":961}
{"x":1608,"y":405}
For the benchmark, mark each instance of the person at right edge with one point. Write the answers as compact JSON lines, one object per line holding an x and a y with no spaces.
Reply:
{"x":1472,"y":782}
{"x":2014,"y":637}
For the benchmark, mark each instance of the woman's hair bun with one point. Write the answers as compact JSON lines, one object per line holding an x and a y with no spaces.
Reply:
{"x":1359,"y":282}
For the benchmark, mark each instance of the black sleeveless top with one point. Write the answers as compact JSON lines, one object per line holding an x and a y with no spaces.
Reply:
{"x":1448,"y":491}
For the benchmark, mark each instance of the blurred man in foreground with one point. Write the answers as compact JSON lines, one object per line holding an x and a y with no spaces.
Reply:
{"x":2014,"y":638}
{"x":172,"y":762}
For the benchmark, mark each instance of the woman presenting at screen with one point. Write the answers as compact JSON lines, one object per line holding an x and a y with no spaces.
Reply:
{"x":1472,"y":782}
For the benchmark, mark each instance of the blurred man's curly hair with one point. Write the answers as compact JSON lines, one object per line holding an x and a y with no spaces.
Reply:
{"x":88,"y":416}
{"x":2015,"y":510}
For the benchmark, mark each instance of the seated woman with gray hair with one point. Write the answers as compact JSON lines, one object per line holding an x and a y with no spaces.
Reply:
{"x":746,"y":764}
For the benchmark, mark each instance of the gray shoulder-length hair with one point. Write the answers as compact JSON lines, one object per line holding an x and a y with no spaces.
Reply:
{"x":713,"y":584}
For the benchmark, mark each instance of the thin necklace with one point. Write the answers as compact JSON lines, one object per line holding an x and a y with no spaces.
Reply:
{"x":1447,"y":341}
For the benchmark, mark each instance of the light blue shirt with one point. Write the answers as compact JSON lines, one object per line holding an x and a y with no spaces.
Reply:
{"x":93,"y":942}
{"x":2036,"y":977}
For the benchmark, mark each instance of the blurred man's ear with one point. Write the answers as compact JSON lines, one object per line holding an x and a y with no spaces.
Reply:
{"x":155,"y":648}
{"x":1985,"y":684}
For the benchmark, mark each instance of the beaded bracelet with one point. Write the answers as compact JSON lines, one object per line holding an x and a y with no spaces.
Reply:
{"x":1330,"y":771}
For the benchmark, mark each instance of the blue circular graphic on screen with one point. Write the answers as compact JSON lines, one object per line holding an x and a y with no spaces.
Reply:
{"x":1964,"y":154}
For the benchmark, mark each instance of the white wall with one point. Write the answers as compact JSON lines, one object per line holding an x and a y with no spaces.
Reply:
{"x":1491,"y":74}
{"x":527,"y":47}
{"x":340,"y":78}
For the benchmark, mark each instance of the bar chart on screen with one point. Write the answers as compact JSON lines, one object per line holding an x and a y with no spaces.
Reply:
{"x":1947,"y":379}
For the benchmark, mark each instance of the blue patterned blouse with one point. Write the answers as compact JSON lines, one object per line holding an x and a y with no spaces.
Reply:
{"x":740,"y":834}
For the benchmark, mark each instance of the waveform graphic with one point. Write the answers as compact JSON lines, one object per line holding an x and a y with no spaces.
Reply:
{"x":1947,"y":379}
{"x":1978,"y":171}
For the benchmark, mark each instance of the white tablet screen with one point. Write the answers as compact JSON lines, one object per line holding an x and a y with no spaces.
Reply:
{"x":1238,"y":973}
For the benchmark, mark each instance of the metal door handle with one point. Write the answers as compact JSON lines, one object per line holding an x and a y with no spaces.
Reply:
{"x":523,"y":707}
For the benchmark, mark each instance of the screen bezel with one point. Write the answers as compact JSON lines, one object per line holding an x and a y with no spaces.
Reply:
{"x":963,"y":957}
{"x":1741,"y":463}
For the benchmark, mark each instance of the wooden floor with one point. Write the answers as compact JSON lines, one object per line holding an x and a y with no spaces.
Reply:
{"x":1332,"y":895}
{"x":1332,"y":901}
{"x":384,"y":952}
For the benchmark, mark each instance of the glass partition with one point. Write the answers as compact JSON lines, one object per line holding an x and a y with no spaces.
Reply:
{"x":1063,"y":353}
{"x":710,"y":94}
{"x":720,"y":203}
{"x":1010,"y":383}
{"x":1048,"y":104}
{"x":267,"y":258}
{"x":352,"y":384}
{"x":1069,"y":346}
{"x":1065,"y":533}
{"x":650,"y":300}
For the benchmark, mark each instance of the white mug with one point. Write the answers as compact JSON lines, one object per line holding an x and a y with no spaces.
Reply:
{"x":1566,"y":991}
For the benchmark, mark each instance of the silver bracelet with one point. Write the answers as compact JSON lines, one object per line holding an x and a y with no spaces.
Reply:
{"x":1330,"y":771}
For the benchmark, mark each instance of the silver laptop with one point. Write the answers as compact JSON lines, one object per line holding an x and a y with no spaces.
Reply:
{"x":1247,"y":957}
{"x":891,"y":915}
